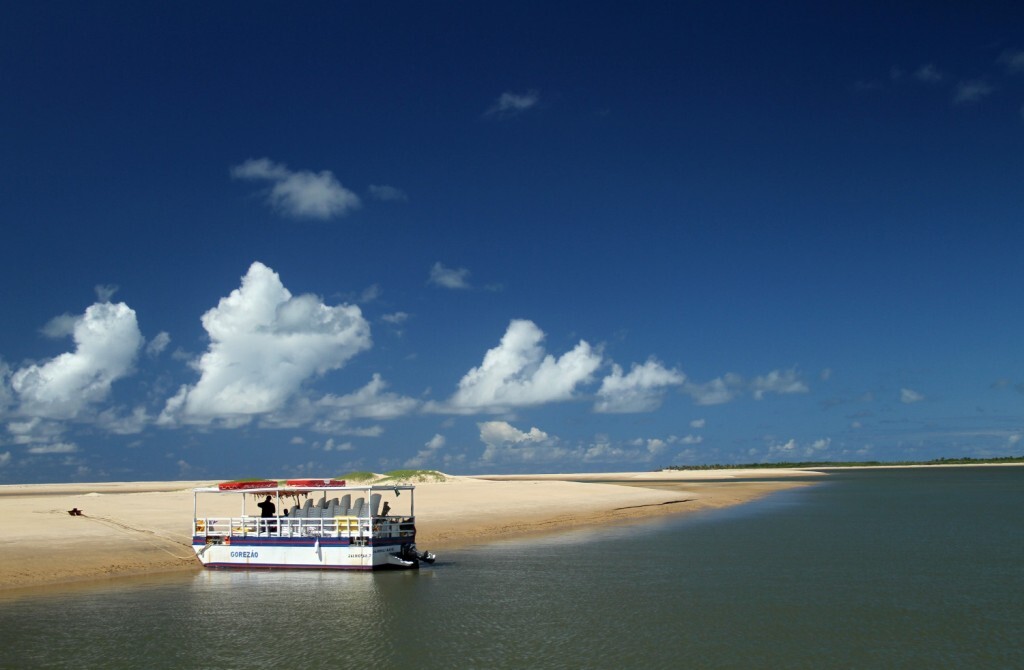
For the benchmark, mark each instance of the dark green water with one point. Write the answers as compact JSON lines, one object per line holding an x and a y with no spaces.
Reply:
{"x":868,"y":569}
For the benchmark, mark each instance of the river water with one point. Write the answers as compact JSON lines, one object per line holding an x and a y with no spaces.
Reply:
{"x":911,"y":568}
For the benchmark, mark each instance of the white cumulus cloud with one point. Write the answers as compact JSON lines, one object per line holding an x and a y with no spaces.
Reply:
{"x":331,"y":445}
{"x":967,"y":92}
{"x":498,"y":432}
{"x":731,"y":385}
{"x":302,"y":194}
{"x":793,"y":449}
{"x":717,"y":391}
{"x":396,"y":318}
{"x":6,"y":393}
{"x":61,"y":326}
{"x":641,"y":390}
{"x":820,"y":444}
{"x":509,"y":104}
{"x":114,"y":421}
{"x":107,"y":340}
{"x":777,"y":381}
{"x":1013,"y":60}
{"x":35,"y":430}
{"x":55,"y":448}
{"x":505,"y":442}
{"x":105,"y":292}
{"x":264,"y":343}
{"x":449,"y":277}
{"x":909,"y":396}
{"x":369,"y":402}
{"x":157,"y":345}
{"x":783,"y":450}
{"x":428,"y":454}
{"x":518,"y":372}
{"x":928,"y":73}
{"x":436,"y":442}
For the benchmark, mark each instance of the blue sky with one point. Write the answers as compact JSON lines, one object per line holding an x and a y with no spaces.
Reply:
{"x":265,"y":239}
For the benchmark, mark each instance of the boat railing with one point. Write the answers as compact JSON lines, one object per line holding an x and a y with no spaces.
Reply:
{"x":339,"y":526}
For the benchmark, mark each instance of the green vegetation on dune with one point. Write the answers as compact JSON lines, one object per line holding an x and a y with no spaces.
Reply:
{"x":360,"y":476}
{"x":366,"y":477}
{"x":397,"y":476}
{"x":848,"y":464}
{"x":393,"y":477}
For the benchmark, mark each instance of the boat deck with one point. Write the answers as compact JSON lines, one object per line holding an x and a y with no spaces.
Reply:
{"x":341,"y":526}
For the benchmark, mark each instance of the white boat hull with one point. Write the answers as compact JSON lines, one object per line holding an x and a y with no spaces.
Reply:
{"x":305,"y":553}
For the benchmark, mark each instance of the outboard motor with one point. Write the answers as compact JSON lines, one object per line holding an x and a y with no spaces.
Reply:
{"x":409,"y":553}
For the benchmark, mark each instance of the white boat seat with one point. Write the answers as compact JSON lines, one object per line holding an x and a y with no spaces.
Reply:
{"x":374,"y":503}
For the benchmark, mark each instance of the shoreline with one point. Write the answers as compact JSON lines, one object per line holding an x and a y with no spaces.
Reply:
{"x":143,"y":528}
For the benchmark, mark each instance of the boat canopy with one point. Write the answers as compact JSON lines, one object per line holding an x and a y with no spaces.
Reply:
{"x":292,"y":486}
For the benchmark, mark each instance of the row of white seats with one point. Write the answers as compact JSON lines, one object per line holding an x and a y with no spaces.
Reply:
{"x":328,"y":509}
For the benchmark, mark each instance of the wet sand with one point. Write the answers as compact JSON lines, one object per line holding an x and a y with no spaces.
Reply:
{"x":135,"y":528}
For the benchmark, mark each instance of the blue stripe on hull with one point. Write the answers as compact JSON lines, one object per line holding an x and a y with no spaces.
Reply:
{"x":281,"y":566}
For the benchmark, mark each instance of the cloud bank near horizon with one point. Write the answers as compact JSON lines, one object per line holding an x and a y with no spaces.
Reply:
{"x":266,"y":347}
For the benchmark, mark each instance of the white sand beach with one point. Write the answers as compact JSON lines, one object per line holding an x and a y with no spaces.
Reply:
{"x":137,"y":528}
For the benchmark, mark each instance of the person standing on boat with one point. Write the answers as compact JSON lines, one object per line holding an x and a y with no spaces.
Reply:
{"x":269,"y":510}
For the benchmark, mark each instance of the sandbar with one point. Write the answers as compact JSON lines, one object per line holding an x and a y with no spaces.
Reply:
{"x":136,"y":528}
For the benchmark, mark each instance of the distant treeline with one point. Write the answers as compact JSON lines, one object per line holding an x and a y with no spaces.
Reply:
{"x":847,"y":464}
